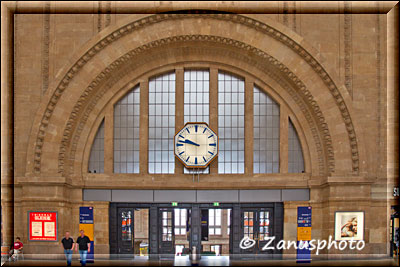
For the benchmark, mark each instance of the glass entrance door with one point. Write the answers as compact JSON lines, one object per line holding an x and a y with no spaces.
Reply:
{"x":256,"y":225}
{"x":264,"y":229}
{"x":150,"y":229}
{"x":125,"y":231}
{"x":167,"y":232}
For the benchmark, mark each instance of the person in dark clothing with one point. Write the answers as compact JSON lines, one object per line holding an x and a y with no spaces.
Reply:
{"x":68,"y":245}
{"x":83,"y":242}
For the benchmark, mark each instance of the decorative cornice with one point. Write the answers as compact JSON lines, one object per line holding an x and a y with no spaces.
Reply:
{"x":279,"y":72}
{"x":257,"y":25}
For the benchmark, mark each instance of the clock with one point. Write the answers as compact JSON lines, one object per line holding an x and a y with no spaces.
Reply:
{"x":196,"y":145}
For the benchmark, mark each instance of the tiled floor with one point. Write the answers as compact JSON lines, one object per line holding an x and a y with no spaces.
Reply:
{"x":207,"y":261}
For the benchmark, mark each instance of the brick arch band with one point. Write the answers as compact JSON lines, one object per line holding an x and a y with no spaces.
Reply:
{"x":257,"y":25}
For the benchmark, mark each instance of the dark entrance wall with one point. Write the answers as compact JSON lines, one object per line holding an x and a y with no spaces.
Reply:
{"x":236,"y":235}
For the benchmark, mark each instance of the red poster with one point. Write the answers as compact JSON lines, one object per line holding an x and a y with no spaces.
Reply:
{"x":42,"y":226}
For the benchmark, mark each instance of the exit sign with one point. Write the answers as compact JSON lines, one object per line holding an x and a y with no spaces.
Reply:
{"x":216,"y":204}
{"x":174,"y":204}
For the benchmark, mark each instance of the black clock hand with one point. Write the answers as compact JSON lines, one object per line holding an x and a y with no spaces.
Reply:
{"x":189,"y":142}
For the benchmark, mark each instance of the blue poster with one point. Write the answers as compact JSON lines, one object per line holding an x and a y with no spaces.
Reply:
{"x":86,"y":215}
{"x":303,"y":234}
{"x":90,"y":255}
{"x":86,"y":224}
{"x":303,"y":216}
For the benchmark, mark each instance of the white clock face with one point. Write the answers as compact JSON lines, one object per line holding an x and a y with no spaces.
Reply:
{"x":196,"y":145}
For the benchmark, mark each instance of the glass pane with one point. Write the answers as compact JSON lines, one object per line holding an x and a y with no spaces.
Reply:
{"x":266,"y":133}
{"x":96,"y":158}
{"x":126,"y":132}
{"x":177,"y":231}
{"x":296,"y":161}
{"x":161,"y":123}
{"x":177,"y":220}
{"x":196,"y":95}
{"x":183,"y":217}
{"x":230,"y":123}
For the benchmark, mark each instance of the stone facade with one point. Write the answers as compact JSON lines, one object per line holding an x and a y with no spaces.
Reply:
{"x":333,"y":74}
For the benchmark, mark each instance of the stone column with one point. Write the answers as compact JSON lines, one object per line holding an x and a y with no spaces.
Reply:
{"x":7,"y":66}
{"x":224,"y":231}
{"x":392,"y":103}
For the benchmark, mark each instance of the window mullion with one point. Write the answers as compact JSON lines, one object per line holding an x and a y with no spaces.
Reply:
{"x":249,"y":125}
{"x":179,"y":109}
{"x":214,"y":111}
{"x":109,"y":140}
{"x":284,"y":139}
{"x":144,"y":126}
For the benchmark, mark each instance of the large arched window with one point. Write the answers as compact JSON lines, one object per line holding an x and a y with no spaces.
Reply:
{"x":266,"y":133}
{"x":196,"y":101}
{"x":230,"y":123}
{"x":126,"y":133}
{"x":162,"y":123}
{"x":296,"y":160}
{"x":202,"y":90}
{"x":96,"y":158}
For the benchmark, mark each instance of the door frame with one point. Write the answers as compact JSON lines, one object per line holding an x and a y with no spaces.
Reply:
{"x":163,"y":251}
{"x":120,"y":241}
{"x":257,"y":248}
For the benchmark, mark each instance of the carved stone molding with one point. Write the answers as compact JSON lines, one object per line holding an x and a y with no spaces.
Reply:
{"x":382,"y":91}
{"x":285,"y":13}
{"x":294,"y":17}
{"x":108,"y":14}
{"x":259,"y":26}
{"x":264,"y":62}
{"x":45,"y":47}
{"x":99,"y":17}
{"x":348,"y":46}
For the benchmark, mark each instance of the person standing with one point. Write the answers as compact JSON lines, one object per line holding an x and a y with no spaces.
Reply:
{"x":16,"y":249}
{"x":68,"y":245}
{"x":84,"y":246}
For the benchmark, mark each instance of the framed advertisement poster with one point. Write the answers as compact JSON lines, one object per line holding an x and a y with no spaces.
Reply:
{"x":42,"y":225}
{"x":349,"y":225}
